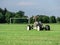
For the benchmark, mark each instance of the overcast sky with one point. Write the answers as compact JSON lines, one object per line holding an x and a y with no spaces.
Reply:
{"x":33,"y":7}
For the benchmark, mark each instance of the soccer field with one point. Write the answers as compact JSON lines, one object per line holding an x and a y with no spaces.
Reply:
{"x":16,"y":34}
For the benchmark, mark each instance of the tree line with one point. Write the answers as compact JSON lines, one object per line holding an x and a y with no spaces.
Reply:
{"x":5,"y":16}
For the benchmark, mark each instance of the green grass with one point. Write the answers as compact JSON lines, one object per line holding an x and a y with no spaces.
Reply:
{"x":16,"y":34}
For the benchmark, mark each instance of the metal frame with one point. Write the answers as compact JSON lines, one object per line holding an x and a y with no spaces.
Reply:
{"x":20,"y":18}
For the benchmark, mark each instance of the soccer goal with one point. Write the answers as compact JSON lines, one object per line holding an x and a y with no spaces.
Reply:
{"x":19,"y":20}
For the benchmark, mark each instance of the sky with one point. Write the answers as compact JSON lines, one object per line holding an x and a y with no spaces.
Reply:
{"x":33,"y":7}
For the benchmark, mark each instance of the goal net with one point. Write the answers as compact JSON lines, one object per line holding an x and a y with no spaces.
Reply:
{"x":19,"y":20}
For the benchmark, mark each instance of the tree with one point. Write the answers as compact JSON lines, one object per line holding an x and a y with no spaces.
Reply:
{"x":40,"y":18}
{"x":19,"y":14}
{"x":45,"y":19}
{"x":53,"y":19}
{"x":58,"y":19}
{"x":8,"y":15}
{"x":4,"y":11}
{"x":1,"y":10}
{"x":31,"y":19}
{"x":1,"y":18}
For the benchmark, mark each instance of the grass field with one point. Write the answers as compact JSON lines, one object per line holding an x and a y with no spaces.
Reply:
{"x":16,"y":34}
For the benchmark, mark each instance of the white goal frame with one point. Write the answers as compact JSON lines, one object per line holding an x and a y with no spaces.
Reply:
{"x":20,"y":18}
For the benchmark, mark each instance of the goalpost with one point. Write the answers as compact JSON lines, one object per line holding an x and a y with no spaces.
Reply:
{"x":19,"y":18}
